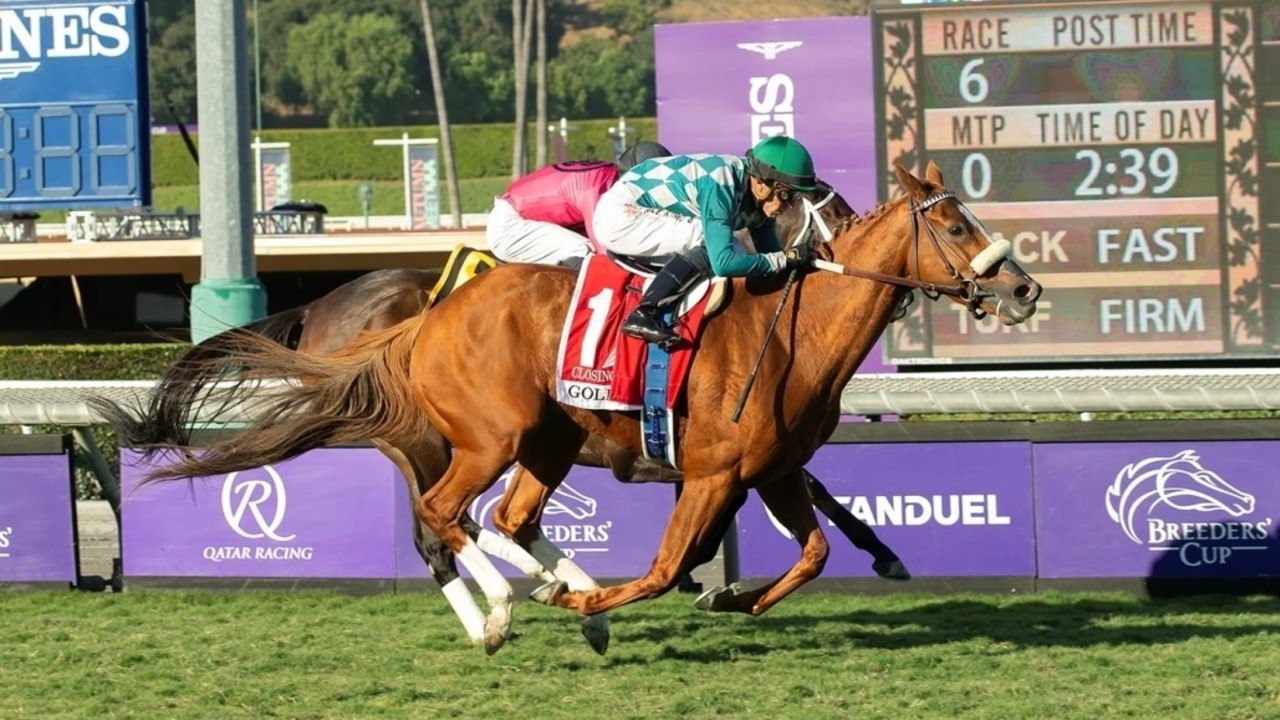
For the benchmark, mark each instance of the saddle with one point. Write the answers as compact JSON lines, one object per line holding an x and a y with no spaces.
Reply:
{"x":715,"y":289}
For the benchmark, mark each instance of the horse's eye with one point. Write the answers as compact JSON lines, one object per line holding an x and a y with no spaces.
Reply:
{"x":956,"y":229}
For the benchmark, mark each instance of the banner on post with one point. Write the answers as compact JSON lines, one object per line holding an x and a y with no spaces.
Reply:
{"x":276,"y":178}
{"x":424,"y":182}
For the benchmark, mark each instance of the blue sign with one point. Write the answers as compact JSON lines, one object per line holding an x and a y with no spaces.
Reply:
{"x":74,"y":111}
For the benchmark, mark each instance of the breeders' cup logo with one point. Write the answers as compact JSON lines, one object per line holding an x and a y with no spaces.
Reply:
{"x":1180,"y":483}
{"x":254,"y":507}
{"x":28,"y":35}
{"x":570,"y":532}
{"x":771,"y":50}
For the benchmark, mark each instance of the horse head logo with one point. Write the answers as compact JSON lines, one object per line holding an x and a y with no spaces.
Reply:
{"x":771,"y":50}
{"x":1179,"y":482}
{"x":564,"y":500}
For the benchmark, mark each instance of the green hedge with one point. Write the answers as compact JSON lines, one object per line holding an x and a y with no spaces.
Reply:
{"x":349,"y":154}
{"x":88,"y":362}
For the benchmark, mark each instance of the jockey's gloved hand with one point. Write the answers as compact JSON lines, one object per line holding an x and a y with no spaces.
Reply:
{"x":799,"y":256}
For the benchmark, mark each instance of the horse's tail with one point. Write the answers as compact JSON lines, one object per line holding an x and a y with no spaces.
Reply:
{"x":361,"y":393}
{"x":163,"y":418}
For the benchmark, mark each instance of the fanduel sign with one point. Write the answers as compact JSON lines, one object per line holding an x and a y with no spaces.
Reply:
{"x":1158,"y":509}
{"x":982,"y":503}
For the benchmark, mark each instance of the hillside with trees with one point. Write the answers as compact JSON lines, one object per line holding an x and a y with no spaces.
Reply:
{"x":359,"y":63}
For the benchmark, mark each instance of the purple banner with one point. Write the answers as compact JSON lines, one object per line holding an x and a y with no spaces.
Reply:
{"x":947,"y":509}
{"x":37,"y":539}
{"x":325,"y":514}
{"x":722,"y":87}
{"x":611,"y":529}
{"x":1167,"y":509}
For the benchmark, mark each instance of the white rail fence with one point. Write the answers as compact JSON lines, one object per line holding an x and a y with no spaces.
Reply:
{"x":64,"y":403}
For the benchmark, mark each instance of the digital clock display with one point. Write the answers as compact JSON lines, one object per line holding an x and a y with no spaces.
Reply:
{"x":74,"y":122}
{"x":1130,"y":151}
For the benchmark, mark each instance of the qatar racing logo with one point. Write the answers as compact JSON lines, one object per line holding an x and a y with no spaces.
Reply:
{"x":1179,"y":482}
{"x":255,"y":507}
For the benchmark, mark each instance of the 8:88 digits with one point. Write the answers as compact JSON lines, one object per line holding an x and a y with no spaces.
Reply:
{"x":1156,"y":171}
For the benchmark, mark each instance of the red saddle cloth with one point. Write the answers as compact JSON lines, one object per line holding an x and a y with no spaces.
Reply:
{"x":599,"y":368}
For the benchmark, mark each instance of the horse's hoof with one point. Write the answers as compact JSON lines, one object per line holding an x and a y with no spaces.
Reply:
{"x":547,"y":594}
{"x":714,"y":600}
{"x":595,"y":630}
{"x":892,"y":570}
{"x":497,"y":629}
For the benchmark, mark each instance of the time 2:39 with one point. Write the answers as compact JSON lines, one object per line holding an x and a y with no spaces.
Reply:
{"x":1135,"y":173}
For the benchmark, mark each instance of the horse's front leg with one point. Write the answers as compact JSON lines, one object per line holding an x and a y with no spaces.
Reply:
{"x":692,"y":523}
{"x":788,"y":499}
{"x":886,"y":562}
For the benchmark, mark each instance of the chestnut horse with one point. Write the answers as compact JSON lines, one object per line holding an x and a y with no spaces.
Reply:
{"x":423,"y":373}
{"x":380,"y":299}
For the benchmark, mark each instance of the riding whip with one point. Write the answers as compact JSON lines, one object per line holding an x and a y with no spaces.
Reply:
{"x":751,"y":379}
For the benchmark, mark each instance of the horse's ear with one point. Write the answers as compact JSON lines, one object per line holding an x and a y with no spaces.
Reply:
{"x":910,"y":183}
{"x":933,"y":174}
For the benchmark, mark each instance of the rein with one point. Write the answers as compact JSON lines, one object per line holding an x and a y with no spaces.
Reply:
{"x":965,"y":289}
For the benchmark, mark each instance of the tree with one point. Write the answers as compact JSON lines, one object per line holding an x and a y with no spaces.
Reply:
{"x":173,"y":70}
{"x":354,"y":70}
{"x":521,"y":31}
{"x":442,"y":115}
{"x":541,"y":101}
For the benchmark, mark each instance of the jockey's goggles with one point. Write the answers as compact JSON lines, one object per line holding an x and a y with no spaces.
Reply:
{"x":784,"y":193}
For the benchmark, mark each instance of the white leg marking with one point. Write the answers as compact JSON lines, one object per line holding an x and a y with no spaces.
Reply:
{"x":497,"y":591}
{"x":465,"y":607}
{"x":506,"y":549}
{"x":562,"y":567}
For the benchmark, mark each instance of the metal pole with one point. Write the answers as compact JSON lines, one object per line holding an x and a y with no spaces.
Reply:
{"x":229,"y":293}
{"x":257,"y":68}
{"x":408,"y":184}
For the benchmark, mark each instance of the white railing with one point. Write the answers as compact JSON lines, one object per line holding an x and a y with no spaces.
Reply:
{"x":36,"y":402}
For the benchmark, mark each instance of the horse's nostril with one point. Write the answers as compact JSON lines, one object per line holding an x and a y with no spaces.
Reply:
{"x":1029,"y":292}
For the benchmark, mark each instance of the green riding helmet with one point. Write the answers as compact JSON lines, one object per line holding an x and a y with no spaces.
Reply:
{"x":782,"y":159}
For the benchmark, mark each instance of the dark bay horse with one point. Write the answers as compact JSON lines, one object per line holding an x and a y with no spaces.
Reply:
{"x":380,"y":299}
{"x":420,"y":374}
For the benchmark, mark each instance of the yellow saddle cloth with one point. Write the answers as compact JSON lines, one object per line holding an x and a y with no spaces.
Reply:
{"x":464,"y":263}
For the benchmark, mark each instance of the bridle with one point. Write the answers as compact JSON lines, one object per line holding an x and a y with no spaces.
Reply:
{"x":966,"y":290}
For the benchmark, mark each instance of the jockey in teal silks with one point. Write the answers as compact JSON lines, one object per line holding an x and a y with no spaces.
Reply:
{"x":685,"y":208}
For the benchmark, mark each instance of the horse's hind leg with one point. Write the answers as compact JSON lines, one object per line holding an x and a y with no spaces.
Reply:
{"x":788,"y":499}
{"x":442,"y":508}
{"x":701,"y":503}
{"x":886,"y":562}
{"x":519,"y":515}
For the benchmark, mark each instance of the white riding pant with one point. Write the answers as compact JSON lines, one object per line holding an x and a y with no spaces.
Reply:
{"x":515,"y":239}
{"x":623,"y":227}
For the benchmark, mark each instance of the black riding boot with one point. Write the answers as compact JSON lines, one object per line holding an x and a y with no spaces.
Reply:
{"x":663,"y":290}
